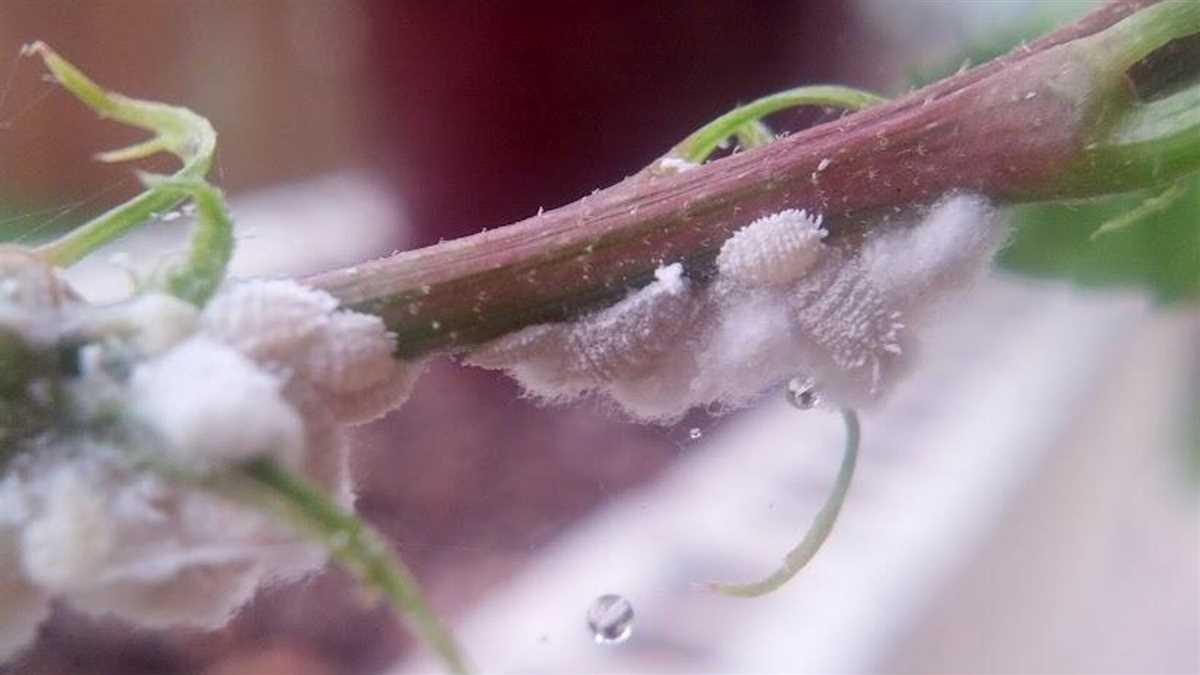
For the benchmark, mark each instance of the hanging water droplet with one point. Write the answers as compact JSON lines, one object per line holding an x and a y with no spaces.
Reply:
{"x":610,"y":618}
{"x":802,"y":393}
{"x":694,"y":433}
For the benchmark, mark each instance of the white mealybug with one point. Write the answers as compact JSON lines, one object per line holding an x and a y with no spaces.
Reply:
{"x":852,"y":334}
{"x":564,"y":360}
{"x":776,"y":249}
{"x":623,"y":341}
{"x":344,"y":356}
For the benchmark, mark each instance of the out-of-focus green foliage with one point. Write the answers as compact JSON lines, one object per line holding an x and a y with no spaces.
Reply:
{"x":1159,"y":252}
{"x":1003,"y":38}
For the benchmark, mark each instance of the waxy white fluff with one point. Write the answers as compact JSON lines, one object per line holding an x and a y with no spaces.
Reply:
{"x":783,"y":303}
{"x":109,"y":539}
{"x":269,"y":369}
{"x":344,"y":358}
{"x":673,"y":165}
{"x":213,"y":407}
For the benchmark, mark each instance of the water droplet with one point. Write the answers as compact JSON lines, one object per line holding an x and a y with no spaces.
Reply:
{"x":610,"y":618}
{"x":802,"y":393}
{"x":694,"y":433}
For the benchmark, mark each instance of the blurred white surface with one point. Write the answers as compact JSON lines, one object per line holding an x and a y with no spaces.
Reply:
{"x":297,"y":228}
{"x":1018,"y":507}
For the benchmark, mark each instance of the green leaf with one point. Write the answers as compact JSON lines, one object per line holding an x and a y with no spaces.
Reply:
{"x":1159,"y":252}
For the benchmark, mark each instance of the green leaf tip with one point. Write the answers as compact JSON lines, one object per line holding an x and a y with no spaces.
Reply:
{"x":1151,"y":206}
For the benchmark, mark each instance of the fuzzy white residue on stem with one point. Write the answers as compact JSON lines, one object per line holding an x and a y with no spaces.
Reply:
{"x":783,"y":303}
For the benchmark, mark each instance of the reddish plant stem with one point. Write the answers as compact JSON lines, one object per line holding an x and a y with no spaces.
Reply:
{"x":1008,"y":129}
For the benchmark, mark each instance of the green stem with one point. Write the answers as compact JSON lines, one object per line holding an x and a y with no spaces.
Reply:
{"x":211,"y":246}
{"x":698,"y":146}
{"x":177,"y":130}
{"x":1136,"y":36}
{"x":754,"y":135}
{"x":821,"y":526}
{"x":352,"y":542}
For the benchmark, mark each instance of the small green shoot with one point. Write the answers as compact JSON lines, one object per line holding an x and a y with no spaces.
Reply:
{"x":177,"y":130}
{"x":745,"y":121}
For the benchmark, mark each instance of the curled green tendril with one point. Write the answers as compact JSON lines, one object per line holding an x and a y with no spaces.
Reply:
{"x":176,"y":130}
{"x":744,"y":121}
{"x":821,"y":526}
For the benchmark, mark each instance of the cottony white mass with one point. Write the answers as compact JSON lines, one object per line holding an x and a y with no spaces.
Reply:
{"x":268,"y":370}
{"x":783,"y":303}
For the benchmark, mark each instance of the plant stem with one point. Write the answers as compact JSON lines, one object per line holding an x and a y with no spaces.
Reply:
{"x":350,"y":540}
{"x":1053,"y":119}
{"x":821,"y":526}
